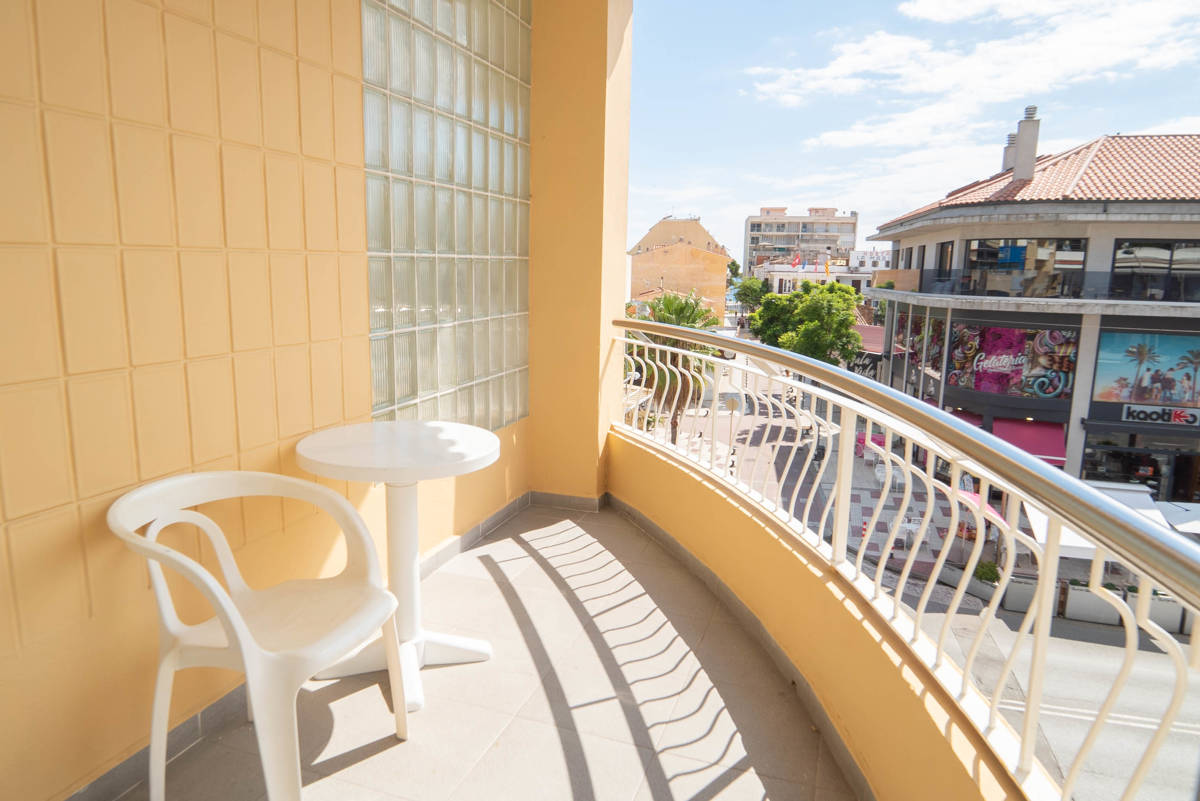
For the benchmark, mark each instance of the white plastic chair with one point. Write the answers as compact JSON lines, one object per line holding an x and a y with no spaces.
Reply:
{"x":280,"y":636}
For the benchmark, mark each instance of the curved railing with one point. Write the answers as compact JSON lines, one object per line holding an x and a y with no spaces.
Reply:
{"x":944,"y":528}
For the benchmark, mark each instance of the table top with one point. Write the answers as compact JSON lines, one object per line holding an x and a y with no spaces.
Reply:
{"x":397,"y":452}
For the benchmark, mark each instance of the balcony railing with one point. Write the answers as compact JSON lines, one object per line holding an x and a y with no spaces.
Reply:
{"x":907,"y":503}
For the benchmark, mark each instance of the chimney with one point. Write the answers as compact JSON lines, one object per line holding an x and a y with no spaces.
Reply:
{"x":1026,"y":147}
{"x":1010,"y":151}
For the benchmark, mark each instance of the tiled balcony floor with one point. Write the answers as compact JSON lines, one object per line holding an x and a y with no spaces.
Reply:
{"x":617,"y":675}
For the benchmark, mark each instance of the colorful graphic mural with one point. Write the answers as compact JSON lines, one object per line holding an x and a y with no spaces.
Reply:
{"x":1028,"y":363}
{"x":1148,"y":369}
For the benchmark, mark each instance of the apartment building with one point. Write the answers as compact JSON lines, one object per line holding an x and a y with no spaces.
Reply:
{"x":773,"y":233}
{"x":679,"y":255}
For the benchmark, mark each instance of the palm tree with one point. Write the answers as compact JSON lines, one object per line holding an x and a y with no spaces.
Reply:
{"x":687,"y":311}
{"x":1190,"y":361}
{"x":1143,"y":354}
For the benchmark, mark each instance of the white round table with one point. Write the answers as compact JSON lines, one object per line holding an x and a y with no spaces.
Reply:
{"x":399,"y":454}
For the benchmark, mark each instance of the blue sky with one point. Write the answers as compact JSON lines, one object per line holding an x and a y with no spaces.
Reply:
{"x":882,"y":107}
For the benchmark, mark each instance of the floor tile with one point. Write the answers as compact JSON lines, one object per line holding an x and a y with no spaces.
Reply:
{"x":687,"y":779}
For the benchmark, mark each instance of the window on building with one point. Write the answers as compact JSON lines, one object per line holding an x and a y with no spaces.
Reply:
{"x":1156,"y":269}
{"x":919,"y":263}
{"x":754,"y":240}
{"x":756,"y":226}
{"x":1023,"y":268}
{"x":780,"y":227}
{"x":804,"y":228}
{"x":945,"y":256}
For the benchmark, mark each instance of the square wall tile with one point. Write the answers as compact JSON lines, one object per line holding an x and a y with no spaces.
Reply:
{"x":33,"y":448}
{"x":28,"y":325}
{"x":23,"y":201}
{"x":354,"y":294}
{"x":48,"y":573}
{"x":211,"y":409}
{"x":191,"y":76}
{"x":102,"y":433}
{"x":236,"y":16}
{"x":316,"y":112}
{"x":356,"y":378}
{"x":347,"y":121}
{"x":237,"y":85}
{"x":285,"y":226}
{"x":326,"y":383}
{"x":254,"y":397}
{"x":320,"y":207}
{"x":261,"y":515}
{"x":312,"y":31}
{"x":81,"y":179}
{"x":249,"y":301}
{"x":245,"y":197}
{"x":9,"y":633}
{"x":277,"y":24}
{"x":293,"y":389}
{"x":137,"y":70}
{"x":197,"y":191}
{"x":117,"y":575}
{"x":281,"y":102}
{"x":351,"y":209}
{"x":93,"y":311}
{"x":324,"y":311}
{"x":160,"y":416}
{"x":205,"y":303}
{"x":346,"y":30}
{"x":71,"y":54}
{"x":289,"y":299}
{"x":16,"y":51}
{"x":143,"y":185}
{"x":152,"y":304}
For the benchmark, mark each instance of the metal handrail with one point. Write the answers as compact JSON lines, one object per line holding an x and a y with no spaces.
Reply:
{"x":1170,"y":558}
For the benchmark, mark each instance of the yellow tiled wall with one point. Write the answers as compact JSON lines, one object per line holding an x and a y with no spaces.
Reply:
{"x":183,"y":286}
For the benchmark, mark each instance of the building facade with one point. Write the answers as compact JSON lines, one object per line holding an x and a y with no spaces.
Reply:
{"x":1057,"y":305}
{"x":680,"y":256}
{"x":773,"y":233}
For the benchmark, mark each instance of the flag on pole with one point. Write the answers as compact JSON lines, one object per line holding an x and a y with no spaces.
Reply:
{"x":796,"y":260}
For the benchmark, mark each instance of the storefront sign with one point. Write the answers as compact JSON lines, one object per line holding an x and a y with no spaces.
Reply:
{"x":866,"y":364}
{"x":1028,"y":363}
{"x":1158,"y":370}
{"x":1159,"y":414}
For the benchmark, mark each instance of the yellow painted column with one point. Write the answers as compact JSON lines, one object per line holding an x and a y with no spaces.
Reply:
{"x":579,"y":186}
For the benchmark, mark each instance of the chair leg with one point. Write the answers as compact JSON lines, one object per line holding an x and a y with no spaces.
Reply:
{"x":160,"y":725}
{"x":274,"y":701}
{"x":391,"y":648}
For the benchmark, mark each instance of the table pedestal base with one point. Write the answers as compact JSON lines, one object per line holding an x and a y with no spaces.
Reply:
{"x":428,"y":648}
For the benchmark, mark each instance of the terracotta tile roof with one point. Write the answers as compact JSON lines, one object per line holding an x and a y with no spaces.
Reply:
{"x":1159,"y":167}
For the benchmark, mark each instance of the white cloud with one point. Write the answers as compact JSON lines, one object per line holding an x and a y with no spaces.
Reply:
{"x":960,"y":10}
{"x":1179,"y":125}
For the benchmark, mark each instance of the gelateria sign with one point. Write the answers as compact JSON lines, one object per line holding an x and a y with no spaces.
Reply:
{"x":1171,"y":415}
{"x":1021,"y":362}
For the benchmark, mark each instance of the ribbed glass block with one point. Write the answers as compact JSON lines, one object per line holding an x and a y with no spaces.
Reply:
{"x":495,"y":164}
{"x":522,"y":229}
{"x":523,"y":393}
{"x":496,"y":289}
{"x":480,"y":405}
{"x":495,"y":99}
{"x":511,"y":358}
{"x":382,"y":380}
{"x":482,"y":300}
{"x":526,"y":70}
{"x":404,"y":292}
{"x":422,"y":139}
{"x":464,"y":400}
{"x":423,"y":10}
{"x":512,"y":5}
{"x":445,"y":76}
{"x":496,"y":34}
{"x":482,"y":349}
{"x":462,"y":83}
{"x":384,"y":417}
{"x":375,"y":129}
{"x":462,"y":154}
{"x":375,"y":55}
{"x":523,"y":113}
{"x":464,"y":352}
{"x":462,"y":222}
{"x":379,"y":283}
{"x":428,"y":409}
{"x":401,"y":145}
{"x":510,"y":397}
{"x":495,"y":225}
{"x":510,"y":168}
{"x":407,"y":412}
{"x":402,"y":216}
{"x":447,"y":408}
{"x":406,"y":366}
{"x":510,"y":286}
{"x":426,"y":291}
{"x":464,"y":293}
{"x":496,"y":345}
{"x":445,"y":220}
{"x":401,"y":58}
{"x":523,"y":285}
{"x":424,"y":70}
{"x":400,"y":4}
{"x":479,"y":223}
{"x":427,"y":376}
{"x":445,"y":17}
{"x":495,"y":403}
{"x":512,"y":45}
{"x":443,"y":149}
{"x":479,"y":27}
{"x":510,"y":228}
{"x":378,"y":219}
{"x":479,"y":91}
{"x":522,"y":339}
{"x":478,"y":159}
{"x":523,"y":172}
{"x":423,"y":239}
{"x":510,"y":106}
{"x":446,"y":357}
{"x":462,"y":22}
{"x":446,"y":282}
{"x":527,"y":10}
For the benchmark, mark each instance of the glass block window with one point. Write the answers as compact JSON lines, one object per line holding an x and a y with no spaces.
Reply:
{"x":446,"y":129}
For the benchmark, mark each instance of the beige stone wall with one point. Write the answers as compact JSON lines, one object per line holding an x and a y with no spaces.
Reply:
{"x":682,"y":269}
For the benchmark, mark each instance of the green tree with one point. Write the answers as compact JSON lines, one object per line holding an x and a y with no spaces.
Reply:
{"x":1143,"y":354}
{"x":675,"y":378}
{"x":1190,"y":361}
{"x":750,"y":292}
{"x":816,"y":321}
{"x":735,"y":270}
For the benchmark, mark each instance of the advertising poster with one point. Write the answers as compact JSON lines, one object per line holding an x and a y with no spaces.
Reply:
{"x":1148,"y":369}
{"x":1023,"y":362}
